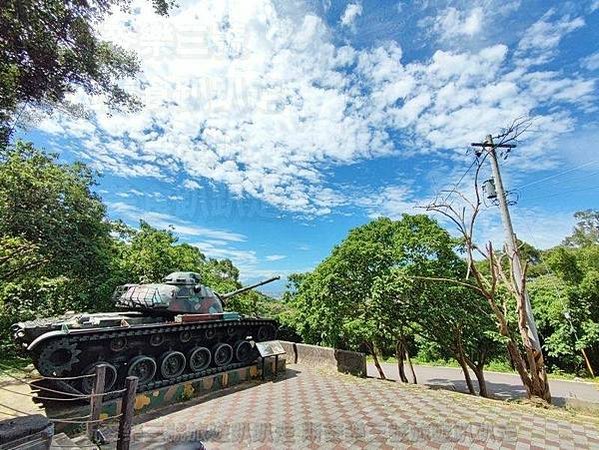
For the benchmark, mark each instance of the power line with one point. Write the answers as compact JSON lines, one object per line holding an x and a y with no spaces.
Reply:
{"x":557,"y":174}
{"x":562,"y":183}
{"x":563,"y":192}
{"x":460,"y":180}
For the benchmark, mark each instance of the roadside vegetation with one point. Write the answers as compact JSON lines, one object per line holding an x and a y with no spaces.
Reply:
{"x":60,"y":252}
{"x":374,"y":294}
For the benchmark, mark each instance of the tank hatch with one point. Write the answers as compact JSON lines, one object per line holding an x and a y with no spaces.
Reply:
{"x":182,"y":278}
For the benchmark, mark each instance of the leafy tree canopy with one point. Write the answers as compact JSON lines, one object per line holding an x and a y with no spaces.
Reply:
{"x":49,"y":48}
{"x":586,"y":231}
{"x":51,"y":206}
{"x":59,"y":252}
{"x":335,"y":301}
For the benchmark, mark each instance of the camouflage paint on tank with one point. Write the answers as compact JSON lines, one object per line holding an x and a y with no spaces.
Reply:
{"x":169,"y":395}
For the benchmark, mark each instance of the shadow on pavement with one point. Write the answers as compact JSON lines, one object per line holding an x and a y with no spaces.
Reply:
{"x":500,"y":391}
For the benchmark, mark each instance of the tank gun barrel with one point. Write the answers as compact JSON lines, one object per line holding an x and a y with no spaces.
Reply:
{"x":248,"y":288}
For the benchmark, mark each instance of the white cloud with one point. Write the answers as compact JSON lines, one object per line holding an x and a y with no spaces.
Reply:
{"x":451,"y":22}
{"x":163,"y":221}
{"x":591,"y":62}
{"x":262,"y":102}
{"x":539,"y":228}
{"x":275,"y":257}
{"x":390,"y":201}
{"x":350,"y":14}
{"x":539,"y":43}
{"x":158,"y":196}
{"x":245,"y":260}
{"x":191,"y":184}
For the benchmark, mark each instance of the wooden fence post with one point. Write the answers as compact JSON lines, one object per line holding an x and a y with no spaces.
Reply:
{"x":127,"y":411}
{"x":96,"y":402}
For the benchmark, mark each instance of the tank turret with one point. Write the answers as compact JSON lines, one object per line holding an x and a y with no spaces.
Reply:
{"x":162,"y":333}
{"x":180,"y":292}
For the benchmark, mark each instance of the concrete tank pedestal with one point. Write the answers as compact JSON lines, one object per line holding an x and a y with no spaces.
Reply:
{"x":169,"y":395}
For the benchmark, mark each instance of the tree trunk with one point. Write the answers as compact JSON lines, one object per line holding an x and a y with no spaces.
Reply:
{"x":530,"y":381}
{"x":464,"y":367}
{"x":482,"y":383}
{"x":539,"y":385}
{"x":467,"y":376}
{"x":478,"y":370}
{"x":588,"y":363}
{"x":411,"y":366}
{"x":399,"y":355}
{"x":375,"y":357}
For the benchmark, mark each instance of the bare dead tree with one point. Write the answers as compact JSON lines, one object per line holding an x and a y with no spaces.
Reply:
{"x":530,"y":365}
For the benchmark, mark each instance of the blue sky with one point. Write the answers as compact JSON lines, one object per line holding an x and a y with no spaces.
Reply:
{"x":271,"y":128}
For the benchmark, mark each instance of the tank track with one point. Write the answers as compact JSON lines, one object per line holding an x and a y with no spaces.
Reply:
{"x":97,"y":343}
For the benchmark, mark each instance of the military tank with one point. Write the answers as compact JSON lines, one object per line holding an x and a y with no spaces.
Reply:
{"x":162,"y":333}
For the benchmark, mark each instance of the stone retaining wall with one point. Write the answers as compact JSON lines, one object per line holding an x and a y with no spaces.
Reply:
{"x":343,"y":361}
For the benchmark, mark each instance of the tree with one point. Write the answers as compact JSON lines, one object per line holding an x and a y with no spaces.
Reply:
{"x":530,"y":365}
{"x":567,"y":303}
{"x":51,"y":209}
{"x":150,"y":254}
{"x":50,"y":48}
{"x":452,"y":316}
{"x":586,"y":231}
{"x":17,"y":258}
{"x":340,"y":302}
{"x":55,"y":245}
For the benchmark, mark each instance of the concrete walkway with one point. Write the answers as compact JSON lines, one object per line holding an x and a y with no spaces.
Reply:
{"x":316,"y":409}
{"x":501,"y":385}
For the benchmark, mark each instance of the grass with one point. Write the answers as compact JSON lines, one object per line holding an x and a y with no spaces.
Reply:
{"x":12,"y":364}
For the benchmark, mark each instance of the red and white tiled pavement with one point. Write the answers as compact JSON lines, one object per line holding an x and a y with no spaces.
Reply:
{"x":311,"y":408}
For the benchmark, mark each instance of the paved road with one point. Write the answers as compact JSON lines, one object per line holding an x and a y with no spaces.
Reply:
{"x":314,"y":409}
{"x":502,"y":385}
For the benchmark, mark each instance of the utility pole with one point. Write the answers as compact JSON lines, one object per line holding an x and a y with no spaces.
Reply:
{"x":511,"y":243}
{"x":528,"y":328}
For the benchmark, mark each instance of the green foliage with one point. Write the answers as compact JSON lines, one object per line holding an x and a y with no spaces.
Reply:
{"x":566,"y":305}
{"x":151,"y":254}
{"x":49,"y":48}
{"x":17,"y":257}
{"x":51,"y":206}
{"x":55,"y":243}
{"x":364,"y":292}
{"x":58,"y":251}
{"x":586,"y":231}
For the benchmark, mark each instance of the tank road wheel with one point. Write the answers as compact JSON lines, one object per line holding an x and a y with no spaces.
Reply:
{"x":156,"y":340}
{"x":243,"y":351}
{"x":263,"y":333}
{"x":199,"y":359}
{"x":172,"y":365}
{"x":222,"y":354}
{"x":231,"y":331}
{"x":58,"y":357}
{"x":185,"y":336}
{"x":109,"y":379}
{"x":118,"y":344}
{"x":142,"y":367}
{"x":210,"y":333}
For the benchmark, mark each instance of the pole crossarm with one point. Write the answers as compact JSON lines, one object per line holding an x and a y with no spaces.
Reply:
{"x":488,"y":144}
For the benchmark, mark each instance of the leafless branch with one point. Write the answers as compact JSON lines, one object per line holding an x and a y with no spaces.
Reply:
{"x":511,"y":133}
{"x":450,"y":280}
